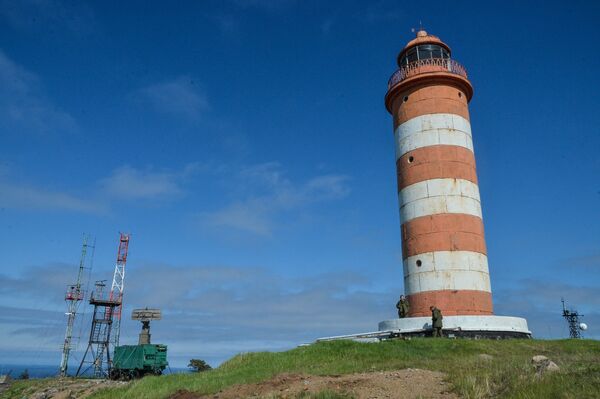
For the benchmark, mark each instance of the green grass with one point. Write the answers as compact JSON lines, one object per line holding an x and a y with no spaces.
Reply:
{"x":19,"y":388}
{"x":508,"y":375}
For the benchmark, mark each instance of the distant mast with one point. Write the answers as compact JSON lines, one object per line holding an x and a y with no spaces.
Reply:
{"x":573,"y":320}
{"x":73,"y":297}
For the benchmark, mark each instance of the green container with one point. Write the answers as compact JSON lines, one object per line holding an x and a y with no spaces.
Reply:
{"x":138,"y":360}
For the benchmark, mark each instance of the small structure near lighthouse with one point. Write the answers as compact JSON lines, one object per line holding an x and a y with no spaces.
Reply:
{"x":443,"y":245}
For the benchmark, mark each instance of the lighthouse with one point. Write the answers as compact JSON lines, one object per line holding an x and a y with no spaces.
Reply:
{"x":444,"y":253}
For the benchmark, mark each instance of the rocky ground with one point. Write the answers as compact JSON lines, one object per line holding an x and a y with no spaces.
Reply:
{"x":66,"y":388}
{"x":401,"y":384}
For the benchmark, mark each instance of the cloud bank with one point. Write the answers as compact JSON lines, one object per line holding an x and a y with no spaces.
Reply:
{"x":214,"y":312}
{"x":180,"y":97}
{"x":24,"y":107}
{"x":268,"y":195}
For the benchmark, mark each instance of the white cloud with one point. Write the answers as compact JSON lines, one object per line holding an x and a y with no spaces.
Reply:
{"x":130,"y":183}
{"x":264,"y":193}
{"x":539,"y":302}
{"x":22,"y":196}
{"x":588,"y":263}
{"x":217,"y":311}
{"x":250,"y":217}
{"x":23,"y":105}
{"x":124,"y":183}
{"x":179,"y":97}
{"x":211,"y":310}
{"x":326,"y":187}
{"x":270,"y":194}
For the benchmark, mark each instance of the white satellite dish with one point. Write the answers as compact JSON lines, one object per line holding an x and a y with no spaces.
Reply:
{"x":582,"y":326}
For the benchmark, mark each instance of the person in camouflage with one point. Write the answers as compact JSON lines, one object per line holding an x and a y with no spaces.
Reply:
{"x":436,"y":321}
{"x":403,"y":307}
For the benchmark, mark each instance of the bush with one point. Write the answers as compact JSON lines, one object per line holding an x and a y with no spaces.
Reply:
{"x":24,"y":375}
{"x":198,"y":365}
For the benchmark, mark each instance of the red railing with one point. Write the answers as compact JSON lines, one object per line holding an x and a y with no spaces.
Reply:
{"x":73,"y":294}
{"x":425,"y":66}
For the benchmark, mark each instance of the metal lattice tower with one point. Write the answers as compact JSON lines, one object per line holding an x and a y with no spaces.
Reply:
{"x":118,"y":284}
{"x":572,"y":318}
{"x":97,"y":354}
{"x":73,"y":297}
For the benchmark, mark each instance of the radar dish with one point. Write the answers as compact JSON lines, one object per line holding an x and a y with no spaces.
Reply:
{"x":146,"y":314}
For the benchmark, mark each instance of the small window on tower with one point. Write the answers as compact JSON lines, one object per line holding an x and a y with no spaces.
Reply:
{"x":410,"y":159}
{"x":405,"y":99}
{"x":419,"y":263}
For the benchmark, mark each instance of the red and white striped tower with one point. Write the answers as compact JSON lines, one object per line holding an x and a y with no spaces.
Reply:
{"x":443,"y":244}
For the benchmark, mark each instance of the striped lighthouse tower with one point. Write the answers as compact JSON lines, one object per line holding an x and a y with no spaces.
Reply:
{"x":443,"y":245}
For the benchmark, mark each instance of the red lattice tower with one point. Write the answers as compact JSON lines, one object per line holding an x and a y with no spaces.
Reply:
{"x":118,"y":284}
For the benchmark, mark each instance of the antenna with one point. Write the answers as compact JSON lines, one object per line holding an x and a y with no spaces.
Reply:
{"x":97,"y":354}
{"x":145,"y":316}
{"x":414,"y":30}
{"x":118,"y":284}
{"x":73,"y":297}
{"x":106,"y":319}
{"x":572,"y":317}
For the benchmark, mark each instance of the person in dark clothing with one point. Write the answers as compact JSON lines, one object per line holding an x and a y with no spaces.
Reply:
{"x":402,"y":307}
{"x":436,"y":321}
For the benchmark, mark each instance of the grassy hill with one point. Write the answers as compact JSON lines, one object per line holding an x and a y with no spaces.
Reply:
{"x":508,"y":373}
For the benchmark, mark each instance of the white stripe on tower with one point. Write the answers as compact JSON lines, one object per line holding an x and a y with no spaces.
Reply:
{"x":446,"y":270}
{"x":436,"y":196}
{"x":433,"y":129}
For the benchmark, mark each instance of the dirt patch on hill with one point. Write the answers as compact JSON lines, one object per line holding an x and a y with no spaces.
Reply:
{"x":67,"y":388}
{"x":401,"y":384}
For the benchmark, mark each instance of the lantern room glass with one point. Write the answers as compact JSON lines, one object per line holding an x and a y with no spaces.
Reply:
{"x":423,"y":52}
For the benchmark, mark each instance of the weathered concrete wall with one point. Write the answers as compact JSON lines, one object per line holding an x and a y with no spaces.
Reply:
{"x":467,"y":323}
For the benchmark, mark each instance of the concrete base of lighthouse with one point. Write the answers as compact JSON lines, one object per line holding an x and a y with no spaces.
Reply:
{"x":496,"y":327}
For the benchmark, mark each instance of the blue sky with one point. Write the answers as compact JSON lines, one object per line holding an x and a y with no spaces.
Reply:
{"x":246,"y":147}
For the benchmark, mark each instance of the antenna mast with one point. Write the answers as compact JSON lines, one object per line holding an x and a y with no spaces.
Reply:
{"x":572,"y":318}
{"x":106,"y":320}
{"x":97,"y":353}
{"x":116,"y":291}
{"x":73,"y":297}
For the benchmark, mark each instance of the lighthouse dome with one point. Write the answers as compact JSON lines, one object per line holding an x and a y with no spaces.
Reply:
{"x":424,"y":46}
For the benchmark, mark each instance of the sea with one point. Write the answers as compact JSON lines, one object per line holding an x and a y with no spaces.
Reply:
{"x":40,"y":371}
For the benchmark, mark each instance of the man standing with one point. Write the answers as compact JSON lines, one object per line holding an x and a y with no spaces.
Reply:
{"x":402,"y":307}
{"x":436,"y":321}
